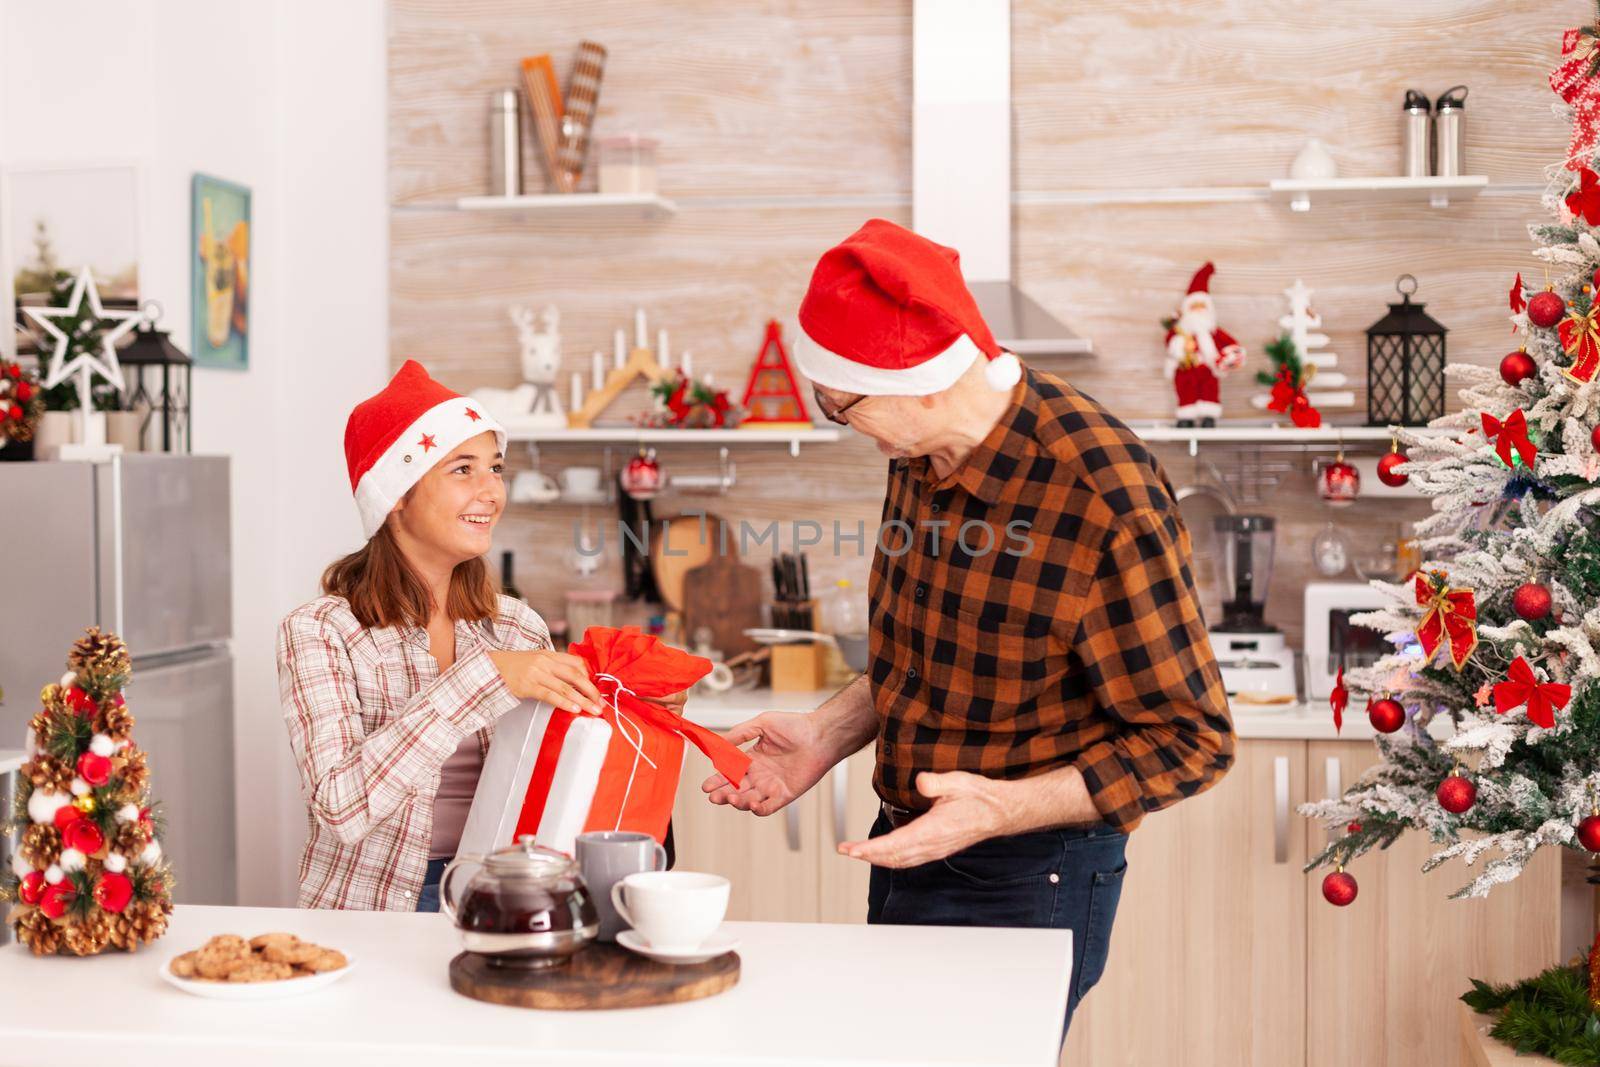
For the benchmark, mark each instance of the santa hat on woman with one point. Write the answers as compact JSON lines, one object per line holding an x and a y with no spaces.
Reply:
{"x":888,"y":314}
{"x":395,"y":437}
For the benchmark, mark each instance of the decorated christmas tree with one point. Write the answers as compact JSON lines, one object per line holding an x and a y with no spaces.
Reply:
{"x":88,"y":872}
{"x":1499,"y":631}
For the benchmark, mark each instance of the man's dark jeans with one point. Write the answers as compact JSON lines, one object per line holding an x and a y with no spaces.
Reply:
{"x":1065,"y":879}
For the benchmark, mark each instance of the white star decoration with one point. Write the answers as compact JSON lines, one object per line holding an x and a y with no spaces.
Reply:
{"x":105,"y":364}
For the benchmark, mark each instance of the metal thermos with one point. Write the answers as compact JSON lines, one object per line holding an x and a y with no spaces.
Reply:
{"x":505,"y":144}
{"x":1416,"y":141}
{"x":1449,"y":117}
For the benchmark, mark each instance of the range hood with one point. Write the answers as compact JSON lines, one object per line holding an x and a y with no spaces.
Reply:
{"x":961,"y":163}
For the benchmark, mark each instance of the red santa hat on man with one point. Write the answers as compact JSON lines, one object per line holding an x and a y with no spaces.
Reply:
{"x":888,"y":314}
{"x":394,"y":438}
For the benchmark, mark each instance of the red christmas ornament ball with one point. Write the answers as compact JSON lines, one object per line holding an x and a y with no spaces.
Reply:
{"x":1531,"y":601}
{"x":1386,"y":715}
{"x":56,"y":899}
{"x":1353,"y":828}
{"x":1546,"y":309}
{"x":31,"y":888}
{"x":1589,"y":833}
{"x":1339,"y":888}
{"x":66,"y":815}
{"x":80,"y":701}
{"x":1594,"y":438}
{"x":1386,"y":469}
{"x":94,"y":769}
{"x":113,"y":891}
{"x":1456,"y":794}
{"x":1516,"y":367}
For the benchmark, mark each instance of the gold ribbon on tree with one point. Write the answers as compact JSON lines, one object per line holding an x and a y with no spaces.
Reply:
{"x":1451,"y":619}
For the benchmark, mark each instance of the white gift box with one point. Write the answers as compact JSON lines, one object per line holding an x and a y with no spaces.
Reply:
{"x":508,"y":769}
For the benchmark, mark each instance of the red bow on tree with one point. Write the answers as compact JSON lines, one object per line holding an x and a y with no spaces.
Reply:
{"x":1585,"y":203}
{"x":1338,"y":700}
{"x":1519,"y":303}
{"x":1580,"y":339}
{"x":1289,"y":396}
{"x":1522,"y":687}
{"x":1510,"y":435}
{"x":1574,"y":81}
{"x":1451,"y":618}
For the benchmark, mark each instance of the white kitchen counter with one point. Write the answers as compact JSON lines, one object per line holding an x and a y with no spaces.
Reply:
{"x":808,"y":994}
{"x":1305,"y":722}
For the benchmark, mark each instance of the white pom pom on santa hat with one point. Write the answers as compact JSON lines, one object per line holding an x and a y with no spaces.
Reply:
{"x":115,"y":862}
{"x":43,"y":804}
{"x":888,"y":313}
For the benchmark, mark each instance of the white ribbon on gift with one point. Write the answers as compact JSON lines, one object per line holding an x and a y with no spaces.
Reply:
{"x":635,"y":739}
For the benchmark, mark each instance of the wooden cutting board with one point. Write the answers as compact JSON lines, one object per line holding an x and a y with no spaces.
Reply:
{"x":724,"y":595}
{"x":677,"y":546}
{"x":601,"y":976}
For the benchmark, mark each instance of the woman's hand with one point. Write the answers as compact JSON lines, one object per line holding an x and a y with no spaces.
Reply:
{"x":560,"y":679}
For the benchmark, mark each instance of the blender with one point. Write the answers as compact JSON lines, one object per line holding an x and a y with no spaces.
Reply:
{"x":1257,"y":665}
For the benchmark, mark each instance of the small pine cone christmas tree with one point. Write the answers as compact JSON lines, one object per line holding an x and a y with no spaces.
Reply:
{"x":118,"y":889}
{"x":41,"y":845}
{"x":35,"y":930}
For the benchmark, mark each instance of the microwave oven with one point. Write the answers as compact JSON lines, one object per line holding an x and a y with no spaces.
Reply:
{"x":1330,"y":636}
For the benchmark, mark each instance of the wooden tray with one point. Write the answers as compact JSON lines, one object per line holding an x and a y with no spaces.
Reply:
{"x":601,"y":976}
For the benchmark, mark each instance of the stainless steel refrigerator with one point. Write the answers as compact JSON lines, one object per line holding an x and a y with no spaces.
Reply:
{"x":138,"y":545}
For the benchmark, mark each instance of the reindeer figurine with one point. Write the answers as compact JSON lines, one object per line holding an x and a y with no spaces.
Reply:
{"x":534,"y":404}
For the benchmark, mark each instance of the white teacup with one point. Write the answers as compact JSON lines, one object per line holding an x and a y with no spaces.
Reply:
{"x":533,"y":487}
{"x":580,"y":481}
{"x":673,"y":910}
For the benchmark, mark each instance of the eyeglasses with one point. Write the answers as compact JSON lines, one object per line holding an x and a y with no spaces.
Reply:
{"x":831,"y":413}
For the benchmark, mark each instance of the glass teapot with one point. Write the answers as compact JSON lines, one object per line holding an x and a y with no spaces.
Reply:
{"x":524,"y":905}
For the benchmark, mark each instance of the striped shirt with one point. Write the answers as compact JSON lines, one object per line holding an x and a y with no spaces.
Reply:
{"x":1035,"y":609}
{"x":372,"y":721}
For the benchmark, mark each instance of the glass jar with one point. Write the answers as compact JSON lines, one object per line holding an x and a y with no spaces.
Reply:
{"x":525,"y":906}
{"x":628,"y":165}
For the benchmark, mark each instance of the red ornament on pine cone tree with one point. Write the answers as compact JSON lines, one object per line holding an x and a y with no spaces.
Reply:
{"x":80,"y":701}
{"x":1517,"y":367}
{"x":57,"y":898}
{"x":1386,"y":469}
{"x":1339,"y":888}
{"x":1456,"y":794}
{"x":32,"y":885}
{"x":1531,"y":601}
{"x":94,"y":769}
{"x":83,"y":835}
{"x":1386,"y":715}
{"x":1546,"y":309}
{"x":113,"y":891}
{"x":1589,"y":833}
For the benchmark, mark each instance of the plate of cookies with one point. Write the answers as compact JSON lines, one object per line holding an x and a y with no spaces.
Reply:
{"x":229,"y":967}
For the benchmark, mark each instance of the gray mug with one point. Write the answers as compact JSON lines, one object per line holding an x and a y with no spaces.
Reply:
{"x":606,"y":858}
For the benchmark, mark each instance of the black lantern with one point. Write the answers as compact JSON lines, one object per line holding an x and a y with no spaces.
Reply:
{"x":160,"y":373}
{"x":1405,"y":363}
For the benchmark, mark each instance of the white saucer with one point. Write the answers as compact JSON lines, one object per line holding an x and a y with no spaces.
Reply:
{"x":717,"y":944}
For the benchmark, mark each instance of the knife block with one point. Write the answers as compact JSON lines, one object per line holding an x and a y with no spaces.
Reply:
{"x":798,"y":668}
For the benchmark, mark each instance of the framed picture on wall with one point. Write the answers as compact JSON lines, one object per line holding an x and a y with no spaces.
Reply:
{"x":57,"y":220}
{"x":219,"y":287}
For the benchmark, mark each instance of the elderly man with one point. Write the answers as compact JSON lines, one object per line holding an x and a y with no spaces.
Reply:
{"x":1040,"y":677}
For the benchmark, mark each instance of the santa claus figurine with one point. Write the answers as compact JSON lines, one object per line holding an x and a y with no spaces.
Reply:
{"x":1199,"y":354}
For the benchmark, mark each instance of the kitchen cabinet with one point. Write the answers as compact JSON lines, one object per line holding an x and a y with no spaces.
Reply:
{"x":1384,"y":973}
{"x":1208,"y":951}
{"x":785,"y":867}
{"x":1224,"y":952}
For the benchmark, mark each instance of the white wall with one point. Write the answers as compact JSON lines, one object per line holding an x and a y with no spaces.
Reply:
{"x":287,"y":98}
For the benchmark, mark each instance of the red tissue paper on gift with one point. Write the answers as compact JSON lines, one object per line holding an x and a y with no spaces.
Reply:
{"x":639,"y":777}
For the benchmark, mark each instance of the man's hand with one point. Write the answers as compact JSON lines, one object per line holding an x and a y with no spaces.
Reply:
{"x":672,"y":701}
{"x":967,"y":808}
{"x":788,"y":758}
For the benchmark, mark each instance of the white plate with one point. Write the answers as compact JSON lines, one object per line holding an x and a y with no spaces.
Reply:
{"x":716,"y":945}
{"x":283,"y":987}
{"x":766,"y":635}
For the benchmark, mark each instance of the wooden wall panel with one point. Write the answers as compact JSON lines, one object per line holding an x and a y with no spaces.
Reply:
{"x":784,"y":124}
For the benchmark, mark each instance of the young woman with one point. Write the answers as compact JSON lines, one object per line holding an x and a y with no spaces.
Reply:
{"x":392,"y":681}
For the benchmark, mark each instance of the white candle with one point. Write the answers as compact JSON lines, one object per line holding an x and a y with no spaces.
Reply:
{"x":663,"y":354}
{"x":577,"y":390}
{"x":640,"y":337}
{"x":688,"y":372}
{"x":599,"y":370}
{"x":620,"y":349}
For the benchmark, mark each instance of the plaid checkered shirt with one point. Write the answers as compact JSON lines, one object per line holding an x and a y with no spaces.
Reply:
{"x":1035,"y":609}
{"x":372,"y":720}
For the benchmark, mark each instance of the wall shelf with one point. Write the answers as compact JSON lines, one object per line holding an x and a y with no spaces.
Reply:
{"x":635,"y":435}
{"x":572,"y":205}
{"x":1267,"y":434}
{"x":1437,"y":192}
